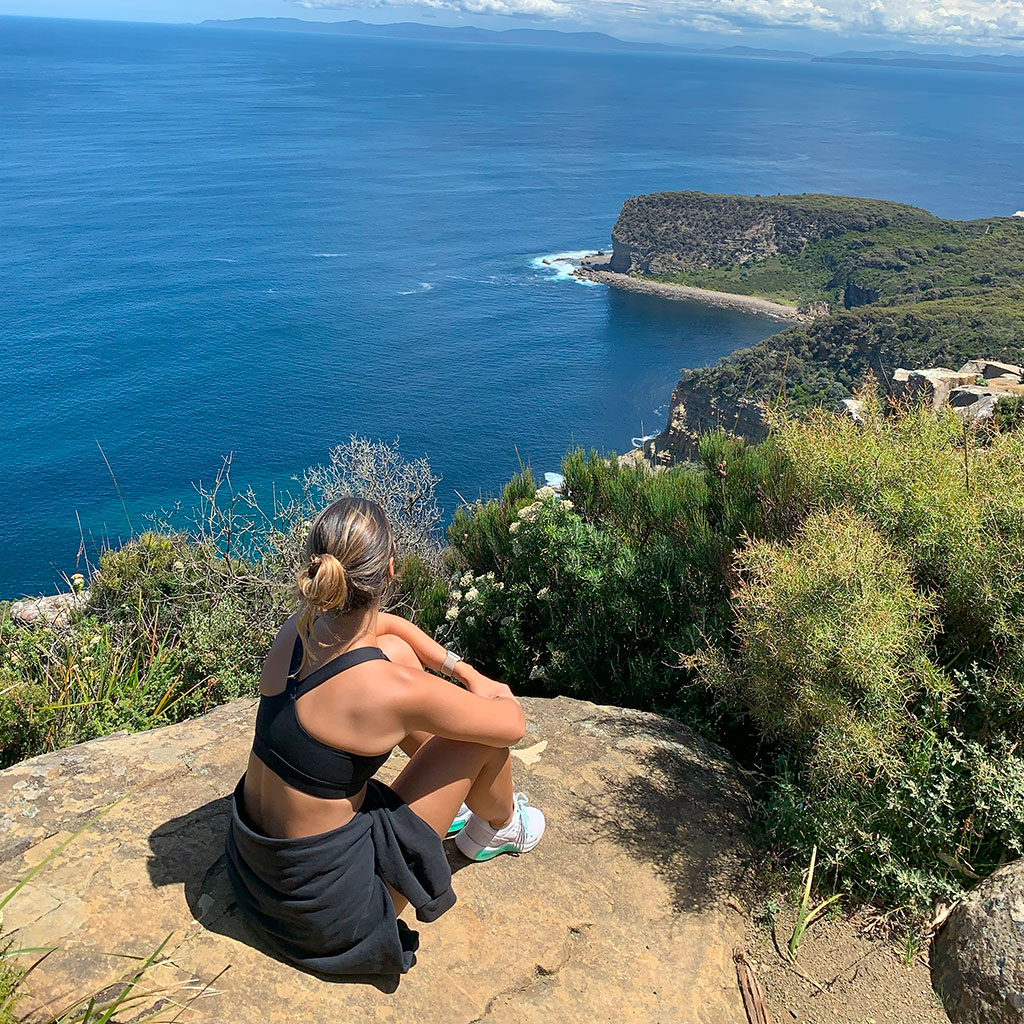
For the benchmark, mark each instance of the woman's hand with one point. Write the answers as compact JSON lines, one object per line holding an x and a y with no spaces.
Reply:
{"x":477,"y":683}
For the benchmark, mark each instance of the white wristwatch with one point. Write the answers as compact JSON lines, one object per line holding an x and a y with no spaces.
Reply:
{"x":451,"y":659}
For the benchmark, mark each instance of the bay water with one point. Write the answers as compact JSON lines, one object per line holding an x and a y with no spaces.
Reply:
{"x":218,"y":241}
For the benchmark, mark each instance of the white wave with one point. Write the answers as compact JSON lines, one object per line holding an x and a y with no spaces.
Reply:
{"x":223,"y":259}
{"x":637,"y":441}
{"x":327,"y":255}
{"x":560,"y":265}
{"x":555,"y":480}
{"x":425,"y":286}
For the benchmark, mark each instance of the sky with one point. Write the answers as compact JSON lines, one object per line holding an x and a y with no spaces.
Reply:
{"x":822,"y":26}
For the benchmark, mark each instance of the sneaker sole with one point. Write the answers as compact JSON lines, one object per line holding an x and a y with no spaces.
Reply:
{"x":456,"y":828}
{"x":483,"y":853}
{"x":489,"y":854}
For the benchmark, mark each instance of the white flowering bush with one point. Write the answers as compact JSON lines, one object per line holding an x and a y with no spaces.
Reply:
{"x":563,"y":605}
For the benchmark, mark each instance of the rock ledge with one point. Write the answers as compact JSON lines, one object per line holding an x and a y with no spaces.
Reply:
{"x":621,"y":914}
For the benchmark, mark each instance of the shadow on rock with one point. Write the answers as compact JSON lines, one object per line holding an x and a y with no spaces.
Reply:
{"x":683,"y":809}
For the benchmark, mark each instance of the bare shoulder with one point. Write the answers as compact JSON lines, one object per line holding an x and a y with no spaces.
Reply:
{"x":407,"y":685}
{"x":275,"y":668}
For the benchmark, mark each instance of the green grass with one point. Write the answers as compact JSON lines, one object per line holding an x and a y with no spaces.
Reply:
{"x":10,"y":978}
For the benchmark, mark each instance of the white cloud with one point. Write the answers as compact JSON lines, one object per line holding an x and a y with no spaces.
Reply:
{"x":970,"y":22}
{"x":512,"y":8}
{"x":920,"y":21}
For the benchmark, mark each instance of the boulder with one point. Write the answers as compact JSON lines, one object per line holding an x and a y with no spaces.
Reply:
{"x":625,"y":912}
{"x":992,"y":368}
{"x":978,"y":957}
{"x":815,"y":309}
{"x":55,"y":609}
{"x":973,"y":404}
{"x":851,"y":409}
{"x":933,"y":384}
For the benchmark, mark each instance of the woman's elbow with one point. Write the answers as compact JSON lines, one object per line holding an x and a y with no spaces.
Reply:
{"x":517,"y":727}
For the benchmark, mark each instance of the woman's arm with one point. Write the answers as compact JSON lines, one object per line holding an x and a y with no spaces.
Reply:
{"x":430,"y":652}
{"x":432,"y":655}
{"x":428,"y":705}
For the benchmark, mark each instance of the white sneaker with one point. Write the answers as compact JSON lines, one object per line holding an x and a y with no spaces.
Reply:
{"x":479,"y":840}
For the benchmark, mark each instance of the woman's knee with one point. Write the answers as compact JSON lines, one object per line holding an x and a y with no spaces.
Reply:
{"x":398,"y":651}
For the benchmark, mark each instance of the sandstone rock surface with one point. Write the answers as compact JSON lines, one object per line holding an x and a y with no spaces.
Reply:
{"x":978,"y":957}
{"x":973,"y":404}
{"x":934,"y":383}
{"x":621,"y":914}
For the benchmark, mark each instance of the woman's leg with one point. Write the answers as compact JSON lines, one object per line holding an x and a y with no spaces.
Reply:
{"x":478,"y":775}
{"x":443,"y":773}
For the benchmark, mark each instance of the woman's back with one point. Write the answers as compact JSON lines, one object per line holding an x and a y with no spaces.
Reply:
{"x":315,"y":729}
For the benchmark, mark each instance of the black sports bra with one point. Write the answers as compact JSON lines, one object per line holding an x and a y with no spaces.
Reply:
{"x":299,"y":759}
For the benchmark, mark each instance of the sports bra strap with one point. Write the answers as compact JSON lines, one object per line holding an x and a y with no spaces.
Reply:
{"x":356,"y":656}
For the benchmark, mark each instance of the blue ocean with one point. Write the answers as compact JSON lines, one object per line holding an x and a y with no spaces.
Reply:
{"x":218,"y":241}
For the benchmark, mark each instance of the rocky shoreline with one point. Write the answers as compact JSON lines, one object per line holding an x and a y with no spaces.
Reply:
{"x":726,"y":300}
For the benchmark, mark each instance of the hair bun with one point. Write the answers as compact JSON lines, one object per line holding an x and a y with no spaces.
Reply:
{"x":347,"y":552}
{"x":323,"y":583}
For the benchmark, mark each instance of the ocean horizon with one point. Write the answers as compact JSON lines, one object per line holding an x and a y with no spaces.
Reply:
{"x":222,"y":241}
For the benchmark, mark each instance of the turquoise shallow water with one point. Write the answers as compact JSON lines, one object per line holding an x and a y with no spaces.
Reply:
{"x":219,"y":241}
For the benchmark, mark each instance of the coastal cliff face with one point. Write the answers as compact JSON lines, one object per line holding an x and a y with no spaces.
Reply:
{"x":693,"y":411}
{"x":666,"y":233}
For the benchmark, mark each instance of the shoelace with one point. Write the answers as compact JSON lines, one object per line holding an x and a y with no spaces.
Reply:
{"x":521,"y":800}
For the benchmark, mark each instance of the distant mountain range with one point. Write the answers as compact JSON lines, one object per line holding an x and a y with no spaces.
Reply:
{"x":945,"y":61}
{"x":441,"y":33}
{"x":600,"y":41}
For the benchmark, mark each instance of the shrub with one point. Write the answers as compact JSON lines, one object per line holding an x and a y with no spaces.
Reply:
{"x":62,"y":685}
{"x":946,"y":498}
{"x":950,"y":812}
{"x":596,"y":595}
{"x":573,"y":610}
{"x":829,"y":646}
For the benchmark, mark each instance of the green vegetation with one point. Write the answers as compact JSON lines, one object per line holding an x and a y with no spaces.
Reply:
{"x":822,"y":361}
{"x":10,"y":978}
{"x":905,"y":288}
{"x":841,"y":607}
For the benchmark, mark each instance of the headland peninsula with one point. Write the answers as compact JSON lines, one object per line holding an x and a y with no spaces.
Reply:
{"x":870,"y":285}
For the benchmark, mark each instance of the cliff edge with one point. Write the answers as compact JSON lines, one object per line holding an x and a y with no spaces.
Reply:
{"x":623,"y":913}
{"x":665,"y":233}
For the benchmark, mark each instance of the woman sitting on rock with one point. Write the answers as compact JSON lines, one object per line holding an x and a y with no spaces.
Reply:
{"x":322,"y":856}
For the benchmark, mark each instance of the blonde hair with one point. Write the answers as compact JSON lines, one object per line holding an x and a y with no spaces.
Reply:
{"x":346,"y":562}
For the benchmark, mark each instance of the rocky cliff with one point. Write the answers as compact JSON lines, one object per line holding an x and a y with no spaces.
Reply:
{"x":665,"y":233}
{"x":878,"y":285}
{"x":693,"y":411}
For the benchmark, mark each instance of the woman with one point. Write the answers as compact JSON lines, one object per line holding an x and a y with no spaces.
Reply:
{"x":322,"y":857}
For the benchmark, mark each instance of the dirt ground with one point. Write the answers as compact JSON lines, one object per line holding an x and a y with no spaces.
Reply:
{"x":841,"y":976}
